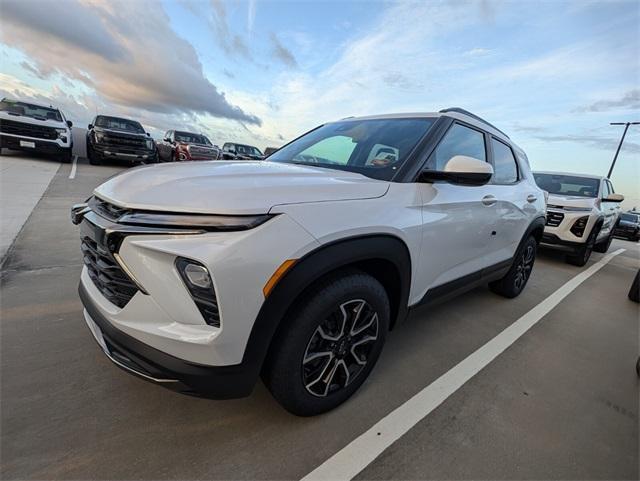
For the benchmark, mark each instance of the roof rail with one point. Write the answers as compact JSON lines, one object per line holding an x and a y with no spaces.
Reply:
{"x":473,"y":116}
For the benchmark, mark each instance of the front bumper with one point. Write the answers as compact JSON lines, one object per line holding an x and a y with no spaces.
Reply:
{"x":142,"y":360}
{"x":560,"y":236}
{"x":51,"y":147}
{"x":105,"y":151}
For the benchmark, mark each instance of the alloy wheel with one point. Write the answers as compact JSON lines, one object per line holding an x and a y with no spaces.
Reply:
{"x":339,"y":348}
{"x":524,"y":267}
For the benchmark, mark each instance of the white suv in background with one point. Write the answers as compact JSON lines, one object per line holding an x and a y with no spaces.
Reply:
{"x":582,"y":212}
{"x":203,"y":276}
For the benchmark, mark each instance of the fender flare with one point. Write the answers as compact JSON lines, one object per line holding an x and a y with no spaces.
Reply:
{"x":313,"y":266}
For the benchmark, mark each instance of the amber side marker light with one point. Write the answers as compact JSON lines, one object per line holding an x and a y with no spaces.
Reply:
{"x":277,"y":275}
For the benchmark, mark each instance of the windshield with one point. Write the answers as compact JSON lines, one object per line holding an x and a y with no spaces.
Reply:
{"x":376,"y":148}
{"x":30,"y":110}
{"x":568,"y":184}
{"x":247,"y":150}
{"x":190,"y":138}
{"x":116,"y":123}
{"x":630,"y":217}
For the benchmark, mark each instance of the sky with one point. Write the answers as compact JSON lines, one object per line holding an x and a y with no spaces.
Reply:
{"x":551,"y":74}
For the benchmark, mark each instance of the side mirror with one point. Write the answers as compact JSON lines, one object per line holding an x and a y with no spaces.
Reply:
{"x":148,"y":134}
{"x":614,"y":198}
{"x":462,"y":170}
{"x":69,"y":123}
{"x":90,"y":126}
{"x":167,"y":139}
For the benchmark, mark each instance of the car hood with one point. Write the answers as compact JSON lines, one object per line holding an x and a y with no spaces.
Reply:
{"x":30,"y":120}
{"x":570,"y":201}
{"x":235,"y":188}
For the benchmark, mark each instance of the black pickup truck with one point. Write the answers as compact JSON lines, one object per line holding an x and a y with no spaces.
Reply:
{"x":118,"y":138}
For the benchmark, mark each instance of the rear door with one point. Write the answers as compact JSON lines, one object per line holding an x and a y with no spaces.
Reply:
{"x":512,"y":202}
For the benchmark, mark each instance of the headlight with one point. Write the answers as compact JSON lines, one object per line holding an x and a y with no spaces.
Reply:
{"x":62,"y":134}
{"x":201,"y":221}
{"x":99,"y":137}
{"x":579,"y":225}
{"x":577,"y":209}
{"x":149,"y":144}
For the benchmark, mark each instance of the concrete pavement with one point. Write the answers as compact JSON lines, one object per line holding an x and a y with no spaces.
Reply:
{"x":561,"y":403}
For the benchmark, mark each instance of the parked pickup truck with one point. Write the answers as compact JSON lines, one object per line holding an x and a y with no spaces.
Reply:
{"x":118,"y":138}
{"x":178,"y":146}
{"x":35,"y":128}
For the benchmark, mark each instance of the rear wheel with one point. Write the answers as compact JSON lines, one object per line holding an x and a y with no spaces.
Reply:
{"x":514,"y":281}
{"x":329,"y":344}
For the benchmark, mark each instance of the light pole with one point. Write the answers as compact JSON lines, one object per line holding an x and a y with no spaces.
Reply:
{"x":615,"y":157}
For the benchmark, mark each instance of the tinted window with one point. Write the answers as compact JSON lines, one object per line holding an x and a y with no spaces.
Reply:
{"x":567,"y":184}
{"x":459,"y":140}
{"x":630,"y":217}
{"x":505,"y":169}
{"x":116,"y":123}
{"x":372,"y":147}
{"x":605,"y":189}
{"x":30,"y":110}
{"x":190,"y":138}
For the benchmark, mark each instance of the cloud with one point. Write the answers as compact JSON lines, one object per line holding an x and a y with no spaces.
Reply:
{"x":231,"y":43}
{"x":629,"y":101}
{"x":595,"y":141}
{"x":281,"y":52}
{"x":128,"y":62}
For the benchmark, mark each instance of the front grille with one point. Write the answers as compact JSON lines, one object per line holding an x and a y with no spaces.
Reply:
{"x":107,"y":275}
{"x":106,"y":209}
{"x":554,"y":219}
{"x":28,"y":130}
{"x":203,"y":152}
{"x":112,"y":139}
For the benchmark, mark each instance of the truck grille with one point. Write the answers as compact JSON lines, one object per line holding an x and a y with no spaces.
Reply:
{"x":554,"y":219}
{"x":124,"y":141}
{"x":28,"y":130}
{"x":107,"y":275}
{"x":203,"y":152}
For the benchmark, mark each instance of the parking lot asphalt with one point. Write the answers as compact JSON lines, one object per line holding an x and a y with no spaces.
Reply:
{"x":560,"y":403}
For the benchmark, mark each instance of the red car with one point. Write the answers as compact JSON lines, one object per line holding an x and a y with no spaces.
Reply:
{"x":178,"y":146}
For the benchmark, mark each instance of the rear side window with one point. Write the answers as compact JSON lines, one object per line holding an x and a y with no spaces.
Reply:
{"x":459,"y":140}
{"x":505,"y":169}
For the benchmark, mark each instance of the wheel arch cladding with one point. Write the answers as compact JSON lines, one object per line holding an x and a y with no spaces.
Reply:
{"x":536,"y":229}
{"x":384,"y":257}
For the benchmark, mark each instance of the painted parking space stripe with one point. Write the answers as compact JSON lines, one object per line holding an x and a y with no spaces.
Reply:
{"x":72,"y":174}
{"x":357,"y":455}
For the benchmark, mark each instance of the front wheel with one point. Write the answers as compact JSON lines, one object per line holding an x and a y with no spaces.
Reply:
{"x":603,"y":246}
{"x":512,"y":284}
{"x":329,"y":344}
{"x":581,"y":257}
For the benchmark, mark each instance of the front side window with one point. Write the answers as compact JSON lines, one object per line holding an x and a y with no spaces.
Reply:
{"x":459,"y":140}
{"x":505,"y":169}
{"x":569,"y":185}
{"x":115,"y":123}
{"x":376,"y":148}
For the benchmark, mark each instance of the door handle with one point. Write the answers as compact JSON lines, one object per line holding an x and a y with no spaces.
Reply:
{"x":489,"y":200}
{"x":531,"y":198}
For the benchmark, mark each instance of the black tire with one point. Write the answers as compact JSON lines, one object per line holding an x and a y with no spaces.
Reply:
{"x":581,"y":257}
{"x":514,"y":281}
{"x":604,"y":244}
{"x":93,"y":158}
{"x":295,"y":369}
{"x":634,"y":292}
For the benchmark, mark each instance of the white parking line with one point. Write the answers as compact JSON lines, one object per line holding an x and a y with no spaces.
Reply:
{"x":353,"y":458}
{"x":72,"y":174}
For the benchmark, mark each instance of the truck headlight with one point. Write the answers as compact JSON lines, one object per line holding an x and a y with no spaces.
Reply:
{"x":579,"y":225}
{"x":62,"y":134}
{"x":99,"y":137}
{"x":149,"y":144}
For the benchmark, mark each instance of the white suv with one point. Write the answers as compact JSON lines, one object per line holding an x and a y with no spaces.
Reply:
{"x":203,"y":276}
{"x":582,"y":213}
